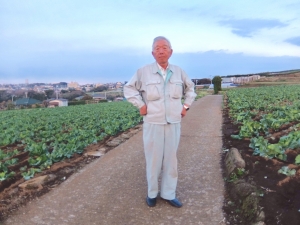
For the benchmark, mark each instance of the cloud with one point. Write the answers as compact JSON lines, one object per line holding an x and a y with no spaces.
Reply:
{"x":246,"y":27}
{"x":294,"y":40}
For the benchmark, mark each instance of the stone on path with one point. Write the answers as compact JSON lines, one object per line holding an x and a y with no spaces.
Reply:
{"x":234,"y":161}
{"x":37,"y":183}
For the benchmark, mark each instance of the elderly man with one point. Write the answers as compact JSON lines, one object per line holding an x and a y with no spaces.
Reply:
{"x":157,"y":90}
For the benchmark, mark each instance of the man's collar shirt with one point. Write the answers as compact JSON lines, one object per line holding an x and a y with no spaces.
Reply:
{"x":163,"y":71}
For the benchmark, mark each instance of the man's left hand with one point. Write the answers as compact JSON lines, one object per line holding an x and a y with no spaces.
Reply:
{"x":183,"y":111}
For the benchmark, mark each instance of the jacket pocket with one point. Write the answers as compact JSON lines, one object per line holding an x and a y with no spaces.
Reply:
{"x":152,"y":90}
{"x":176,"y":88}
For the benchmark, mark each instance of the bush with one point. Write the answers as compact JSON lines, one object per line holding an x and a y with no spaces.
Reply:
{"x":76,"y":103}
{"x":87,"y":97}
{"x":110,"y":97}
{"x":217,"y":82}
{"x":10,"y":106}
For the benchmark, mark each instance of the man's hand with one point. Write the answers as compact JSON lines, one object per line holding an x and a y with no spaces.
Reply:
{"x":143,"y":110}
{"x":183,"y":111}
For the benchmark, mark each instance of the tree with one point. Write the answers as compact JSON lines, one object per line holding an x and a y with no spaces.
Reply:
{"x":110,"y":97}
{"x":217,"y":82}
{"x":10,"y":106}
{"x":49,"y":93}
{"x":64,"y":91}
{"x":201,"y":81}
{"x":72,"y":95}
{"x":100,"y":89}
{"x":4,"y":96}
{"x":36,"y":95}
{"x":87,"y":97}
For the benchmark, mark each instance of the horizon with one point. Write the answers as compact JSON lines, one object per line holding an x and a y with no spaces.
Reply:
{"x":229,"y":75}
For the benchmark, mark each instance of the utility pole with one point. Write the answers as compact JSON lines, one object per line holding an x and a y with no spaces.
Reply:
{"x":26,"y":91}
{"x":56,"y":90}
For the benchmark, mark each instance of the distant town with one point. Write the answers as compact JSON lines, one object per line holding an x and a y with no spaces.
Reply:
{"x":41,"y":95}
{"x":28,"y":95}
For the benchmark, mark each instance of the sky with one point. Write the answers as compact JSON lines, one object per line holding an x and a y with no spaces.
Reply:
{"x":97,"y":41}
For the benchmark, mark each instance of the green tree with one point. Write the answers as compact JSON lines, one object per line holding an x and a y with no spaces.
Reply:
{"x":201,"y":81}
{"x":49,"y":93}
{"x":110,"y":97}
{"x":36,"y":95}
{"x":99,"y":89}
{"x":4,"y":96}
{"x":10,"y":106}
{"x":72,"y":95}
{"x":87,"y":97}
{"x":217,"y":82}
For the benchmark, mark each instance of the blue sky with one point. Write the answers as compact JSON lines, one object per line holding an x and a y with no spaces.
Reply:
{"x":96,"y":41}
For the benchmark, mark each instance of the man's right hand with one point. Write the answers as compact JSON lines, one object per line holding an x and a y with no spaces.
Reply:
{"x":143,"y":110}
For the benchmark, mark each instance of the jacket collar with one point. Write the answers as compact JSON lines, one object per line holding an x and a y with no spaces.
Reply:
{"x":155,"y":68}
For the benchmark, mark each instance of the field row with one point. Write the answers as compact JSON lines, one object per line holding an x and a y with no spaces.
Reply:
{"x":269,"y":117}
{"x":51,"y":135}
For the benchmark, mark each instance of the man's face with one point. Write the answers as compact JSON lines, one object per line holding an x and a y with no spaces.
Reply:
{"x":162,"y":52}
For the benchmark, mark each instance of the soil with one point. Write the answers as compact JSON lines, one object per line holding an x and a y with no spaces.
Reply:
{"x":12,"y":196}
{"x":280,"y":194}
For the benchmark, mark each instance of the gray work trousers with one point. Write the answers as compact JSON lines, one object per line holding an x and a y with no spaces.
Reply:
{"x":160,"y":145}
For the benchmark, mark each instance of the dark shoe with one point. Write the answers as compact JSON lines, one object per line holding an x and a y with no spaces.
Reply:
{"x":175,"y":202}
{"x":151,"y":202}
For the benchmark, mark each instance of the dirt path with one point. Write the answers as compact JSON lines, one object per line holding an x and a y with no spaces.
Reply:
{"x":112,"y":190}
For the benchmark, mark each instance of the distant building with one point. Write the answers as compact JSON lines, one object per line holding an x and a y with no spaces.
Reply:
{"x":88,"y":88}
{"x":73,"y":85}
{"x":118,"y":85}
{"x":119,"y":99}
{"x":37,"y":88}
{"x":98,"y":85}
{"x":99,"y":96}
{"x":79,"y":98}
{"x":63,"y":84}
{"x":227,"y":79}
{"x":26,"y":101}
{"x":58,"y":102}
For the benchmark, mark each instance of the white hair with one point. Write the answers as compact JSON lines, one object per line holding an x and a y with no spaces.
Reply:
{"x":161,"y":38}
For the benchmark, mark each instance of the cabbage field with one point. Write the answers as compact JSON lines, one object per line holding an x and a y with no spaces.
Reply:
{"x":263,"y":123}
{"x":32,"y":140}
{"x":263,"y":112}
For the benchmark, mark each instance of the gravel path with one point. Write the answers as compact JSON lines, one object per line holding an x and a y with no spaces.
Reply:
{"x":112,"y":189}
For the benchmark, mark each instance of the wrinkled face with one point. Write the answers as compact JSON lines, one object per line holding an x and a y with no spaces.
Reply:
{"x":162,"y":52}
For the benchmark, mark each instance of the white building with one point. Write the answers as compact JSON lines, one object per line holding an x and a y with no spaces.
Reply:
{"x":58,"y":102}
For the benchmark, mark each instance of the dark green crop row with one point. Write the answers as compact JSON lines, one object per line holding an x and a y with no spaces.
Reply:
{"x":51,"y":135}
{"x":263,"y":111}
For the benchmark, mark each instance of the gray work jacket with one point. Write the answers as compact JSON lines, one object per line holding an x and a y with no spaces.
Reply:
{"x":162,"y":97}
